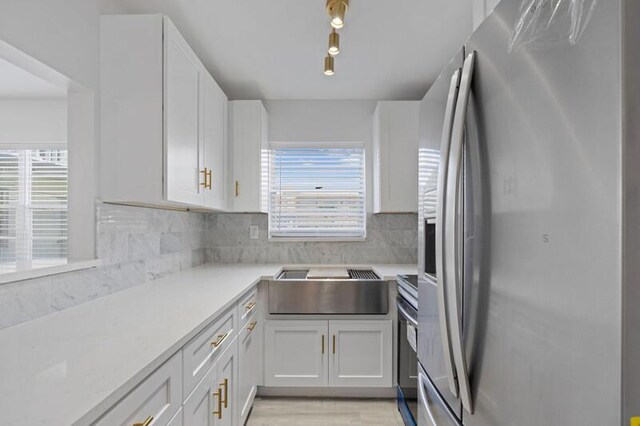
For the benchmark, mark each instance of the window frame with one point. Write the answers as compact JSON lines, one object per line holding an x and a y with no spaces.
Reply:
{"x":318,"y":145}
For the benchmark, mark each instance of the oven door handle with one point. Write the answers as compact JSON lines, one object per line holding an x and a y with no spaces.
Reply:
{"x":406,"y":315}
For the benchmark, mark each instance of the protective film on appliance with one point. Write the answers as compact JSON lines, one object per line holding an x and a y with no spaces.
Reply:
{"x":550,"y":22}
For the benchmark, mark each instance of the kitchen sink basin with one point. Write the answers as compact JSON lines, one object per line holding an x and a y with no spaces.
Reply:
{"x":330,"y":291}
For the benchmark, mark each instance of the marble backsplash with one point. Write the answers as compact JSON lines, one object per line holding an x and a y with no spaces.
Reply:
{"x":391,"y":238}
{"x":134,"y":244}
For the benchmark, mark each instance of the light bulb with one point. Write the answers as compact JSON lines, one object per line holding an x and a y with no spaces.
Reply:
{"x":328,"y":65}
{"x":334,"y":43}
{"x":337,"y":10}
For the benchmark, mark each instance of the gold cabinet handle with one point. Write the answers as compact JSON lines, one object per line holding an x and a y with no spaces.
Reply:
{"x":252,"y":325}
{"x":210,"y":187}
{"x":204,"y":172}
{"x":334,"y":344}
{"x":226,"y":392}
{"x":218,"y":395}
{"x":147,"y":422}
{"x":323,"y":344}
{"x":219,"y":340}
{"x":237,"y":189}
{"x":250,"y":306}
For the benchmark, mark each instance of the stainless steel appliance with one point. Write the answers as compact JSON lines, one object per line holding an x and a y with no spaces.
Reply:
{"x":328,"y":291}
{"x":407,"y":304}
{"x":529,"y":140}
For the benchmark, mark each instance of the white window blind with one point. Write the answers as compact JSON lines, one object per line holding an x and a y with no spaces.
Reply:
{"x":317,"y":192}
{"x":33,"y":208}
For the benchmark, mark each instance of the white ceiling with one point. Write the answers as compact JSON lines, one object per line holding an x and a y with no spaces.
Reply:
{"x":18,"y":83}
{"x":274,"y":49}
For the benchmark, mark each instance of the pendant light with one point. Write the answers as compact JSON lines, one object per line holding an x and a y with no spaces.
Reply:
{"x":334,"y":43}
{"x":337,"y":9}
{"x":328,"y":65}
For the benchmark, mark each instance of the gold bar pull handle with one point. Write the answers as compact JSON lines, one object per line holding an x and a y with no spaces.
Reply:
{"x":250,"y":306}
{"x":237,"y":189}
{"x":334,"y":344}
{"x":205,"y":172}
{"x":323,"y":344}
{"x":207,"y":178}
{"x":225,"y":401}
{"x":252,"y":325}
{"x":218,"y":412}
{"x":147,"y":422}
{"x":219,"y":340}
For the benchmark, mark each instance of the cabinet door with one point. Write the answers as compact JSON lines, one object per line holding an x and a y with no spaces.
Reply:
{"x":181,"y":109}
{"x":396,"y":127}
{"x":205,"y":402}
{"x":157,"y":398}
{"x":249,"y":156}
{"x":227,"y":379}
{"x":296,"y":353}
{"x":214,"y":142}
{"x":248,"y":359}
{"x":361,"y":353}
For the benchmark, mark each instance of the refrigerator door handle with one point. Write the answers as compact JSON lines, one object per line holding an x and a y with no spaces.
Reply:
{"x":451,"y":248}
{"x":440,"y":233}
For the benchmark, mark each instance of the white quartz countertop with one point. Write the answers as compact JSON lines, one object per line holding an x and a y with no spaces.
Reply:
{"x":69,"y":367}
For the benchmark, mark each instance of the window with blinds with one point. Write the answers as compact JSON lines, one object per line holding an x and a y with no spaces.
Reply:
{"x":33,"y":208}
{"x":317,"y":192}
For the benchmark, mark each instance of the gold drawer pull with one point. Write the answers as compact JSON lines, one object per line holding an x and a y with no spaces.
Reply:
{"x":218,"y":395}
{"x":252,"y":325}
{"x":226,"y":392}
{"x":237,"y":189}
{"x":250,"y":306}
{"x":147,"y":422}
{"x":210,"y":180}
{"x":219,"y":340}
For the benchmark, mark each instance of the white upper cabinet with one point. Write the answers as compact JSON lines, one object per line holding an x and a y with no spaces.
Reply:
{"x":181,"y":110}
{"x":395,"y":157}
{"x":215,"y":144}
{"x":249,"y":156}
{"x":164,"y":137}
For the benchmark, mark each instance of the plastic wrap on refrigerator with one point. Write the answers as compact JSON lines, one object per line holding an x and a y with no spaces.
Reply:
{"x":543,"y":23}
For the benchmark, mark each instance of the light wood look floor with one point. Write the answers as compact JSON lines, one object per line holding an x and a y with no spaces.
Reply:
{"x":324,"y":412}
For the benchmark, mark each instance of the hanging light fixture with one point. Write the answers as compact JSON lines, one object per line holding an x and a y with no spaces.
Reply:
{"x":334,"y":43}
{"x":337,"y":9}
{"x":328,"y":65}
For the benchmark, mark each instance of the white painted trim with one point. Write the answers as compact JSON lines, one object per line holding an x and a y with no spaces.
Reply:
{"x":28,"y":274}
{"x":328,"y":392}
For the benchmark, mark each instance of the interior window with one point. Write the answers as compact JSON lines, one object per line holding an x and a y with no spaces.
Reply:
{"x":317,"y":192}
{"x":33,"y":208}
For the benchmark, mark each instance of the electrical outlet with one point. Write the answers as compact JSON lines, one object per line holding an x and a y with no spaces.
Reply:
{"x":253,"y":232}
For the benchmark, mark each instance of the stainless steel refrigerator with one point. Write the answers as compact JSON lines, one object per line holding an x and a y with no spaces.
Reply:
{"x":529,"y":220}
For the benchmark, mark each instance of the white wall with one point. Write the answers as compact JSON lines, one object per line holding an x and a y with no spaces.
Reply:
{"x":325,"y":121}
{"x":33,"y":120}
{"x":61,"y":41}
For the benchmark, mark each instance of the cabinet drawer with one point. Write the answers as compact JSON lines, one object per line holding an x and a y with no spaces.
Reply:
{"x":247,"y":306}
{"x":202,"y":351}
{"x":158,"y":397}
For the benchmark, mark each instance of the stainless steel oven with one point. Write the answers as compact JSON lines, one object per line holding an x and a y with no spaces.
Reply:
{"x":407,"y":304}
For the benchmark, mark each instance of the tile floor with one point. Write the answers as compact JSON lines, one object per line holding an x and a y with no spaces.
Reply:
{"x":324,"y":412}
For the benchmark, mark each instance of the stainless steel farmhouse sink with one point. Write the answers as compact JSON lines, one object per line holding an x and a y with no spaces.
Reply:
{"x":337,"y":291}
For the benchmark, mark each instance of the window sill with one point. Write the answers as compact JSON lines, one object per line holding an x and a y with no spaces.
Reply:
{"x":28,"y":274}
{"x":316,"y":240}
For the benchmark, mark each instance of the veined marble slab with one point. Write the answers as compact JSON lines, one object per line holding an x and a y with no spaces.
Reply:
{"x":71,"y":366}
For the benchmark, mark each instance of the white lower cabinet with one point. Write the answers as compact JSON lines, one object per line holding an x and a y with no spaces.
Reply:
{"x":205,"y":402}
{"x":348,"y":353}
{"x":213,"y":401}
{"x":296,"y":353}
{"x":227,"y":374}
{"x":361,"y":354}
{"x":177,"y":419}
{"x":155,"y":401}
{"x":248,"y":360}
